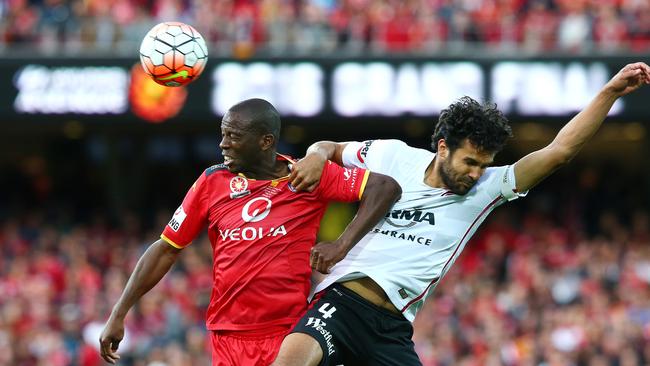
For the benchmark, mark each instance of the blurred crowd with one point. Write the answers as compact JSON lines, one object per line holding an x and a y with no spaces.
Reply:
{"x":539,"y":292}
{"x":58,"y":285}
{"x":246,"y":27}
{"x":544,"y":295}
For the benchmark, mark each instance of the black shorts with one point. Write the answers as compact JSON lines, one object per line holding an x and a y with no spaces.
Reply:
{"x":352,"y":331}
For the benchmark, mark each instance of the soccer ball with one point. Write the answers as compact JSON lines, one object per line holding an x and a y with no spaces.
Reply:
{"x":173,"y":53}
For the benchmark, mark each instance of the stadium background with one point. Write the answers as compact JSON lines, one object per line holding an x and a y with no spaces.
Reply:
{"x":93,"y":163}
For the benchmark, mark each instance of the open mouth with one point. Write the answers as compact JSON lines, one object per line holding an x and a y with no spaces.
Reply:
{"x":227,"y":160}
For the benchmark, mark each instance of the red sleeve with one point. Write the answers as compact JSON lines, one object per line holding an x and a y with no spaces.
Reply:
{"x":190,"y":217}
{"x":342,"y":184}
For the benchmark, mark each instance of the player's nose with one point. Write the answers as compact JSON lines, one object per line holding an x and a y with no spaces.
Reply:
{"x":475,"y":174}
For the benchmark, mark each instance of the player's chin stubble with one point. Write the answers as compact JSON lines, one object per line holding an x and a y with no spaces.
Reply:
{"x":449,"y":178}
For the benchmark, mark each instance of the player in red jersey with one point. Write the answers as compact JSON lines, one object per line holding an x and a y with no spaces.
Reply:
{"x":262,"y":233}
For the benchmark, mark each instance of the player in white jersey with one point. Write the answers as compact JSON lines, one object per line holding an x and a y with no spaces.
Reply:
{"x":364,"y":307}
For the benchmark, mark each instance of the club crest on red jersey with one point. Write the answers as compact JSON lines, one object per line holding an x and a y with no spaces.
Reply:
{"x":239,"y":187}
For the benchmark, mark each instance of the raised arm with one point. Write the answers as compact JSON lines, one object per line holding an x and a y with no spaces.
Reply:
{"x":380,"y":194}
{"x":537,"y":165}
{"x":306,"y":173}
{"x":151,"y":267}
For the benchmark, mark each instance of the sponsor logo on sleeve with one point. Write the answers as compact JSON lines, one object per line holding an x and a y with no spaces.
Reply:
{"x":177,"y":220}
{"x":363,"y":151}
{"x":239,"y":187}
{"x":351,"y":176}
{"x":347,"y":174}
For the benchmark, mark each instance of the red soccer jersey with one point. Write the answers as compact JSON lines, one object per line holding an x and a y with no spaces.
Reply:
{"x":261,"y":233}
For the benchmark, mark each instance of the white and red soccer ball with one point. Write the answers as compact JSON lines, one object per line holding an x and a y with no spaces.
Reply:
{"x":173,"y":53}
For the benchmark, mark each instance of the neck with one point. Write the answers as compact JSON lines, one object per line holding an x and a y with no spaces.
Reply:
{"x":432,"y":176}
{"x":268,"y":168}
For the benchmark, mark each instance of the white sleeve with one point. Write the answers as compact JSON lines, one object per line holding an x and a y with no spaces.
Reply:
{"x":501,"y":182}
{"x":375,"y":155}
{"x":354,"y":154}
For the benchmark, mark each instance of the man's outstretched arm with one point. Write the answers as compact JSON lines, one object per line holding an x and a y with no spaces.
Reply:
{"x":151,"y":267}
{"x":537,"y":165}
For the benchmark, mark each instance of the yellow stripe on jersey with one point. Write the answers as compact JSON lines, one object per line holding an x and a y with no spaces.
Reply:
{"x":363,"y":183}
{"x":273,"y":181}
{"x":170,"y":242}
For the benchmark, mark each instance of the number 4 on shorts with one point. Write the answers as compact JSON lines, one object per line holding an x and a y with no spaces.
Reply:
{"x":327,"y":313}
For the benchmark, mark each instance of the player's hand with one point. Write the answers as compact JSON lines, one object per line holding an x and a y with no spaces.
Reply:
{"x":325,"y":255}
{"x":110,"y":340}
{"x":629,"y":79}
{"x":306,"y":173}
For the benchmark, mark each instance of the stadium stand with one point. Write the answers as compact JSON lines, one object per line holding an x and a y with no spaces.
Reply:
{"x":244,"y":27}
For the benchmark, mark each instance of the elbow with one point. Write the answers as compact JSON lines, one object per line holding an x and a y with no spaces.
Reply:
{"x":389,"y":187}
{"x":382,"y":188}
{"x":396,"y":190}
{"x":560,"y":156}
{"x":560,"y":161}
{"x":164,"y":250}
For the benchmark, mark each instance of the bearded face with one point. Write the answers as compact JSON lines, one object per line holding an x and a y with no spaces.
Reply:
{"x":455,"y":181}
{"x":461,"y":168}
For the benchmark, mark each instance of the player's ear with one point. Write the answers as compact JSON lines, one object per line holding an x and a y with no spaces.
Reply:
{"x":443,"y":150}
{"x":267,"y":141}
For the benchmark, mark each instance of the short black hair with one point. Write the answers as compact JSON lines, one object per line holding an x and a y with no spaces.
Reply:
{"x":483,"y":124}
{"x":261,"y":115}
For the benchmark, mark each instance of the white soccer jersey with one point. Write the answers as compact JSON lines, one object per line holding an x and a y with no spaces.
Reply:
{"x":413,"y":247}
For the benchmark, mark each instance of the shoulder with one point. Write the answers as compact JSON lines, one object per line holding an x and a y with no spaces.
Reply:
{"x":492,"y":172}
{"x":220,"y":169}
{"x":387,"y":143}
{"x":500,"y":180}
{"x":495,"y":177}
{"x":397,"y":159}
{"x":215,"y":174}
{"x":386,"y":146}
{"x":218,"y":178}
{"x":399,"y":145}
{"x":401,"y":151}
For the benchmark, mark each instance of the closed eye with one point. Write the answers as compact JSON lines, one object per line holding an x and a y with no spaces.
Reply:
{"x":472,"y":162}
{"x":230,"y":135}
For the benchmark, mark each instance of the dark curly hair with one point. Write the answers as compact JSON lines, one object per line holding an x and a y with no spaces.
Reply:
{"x":484,"y":125}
